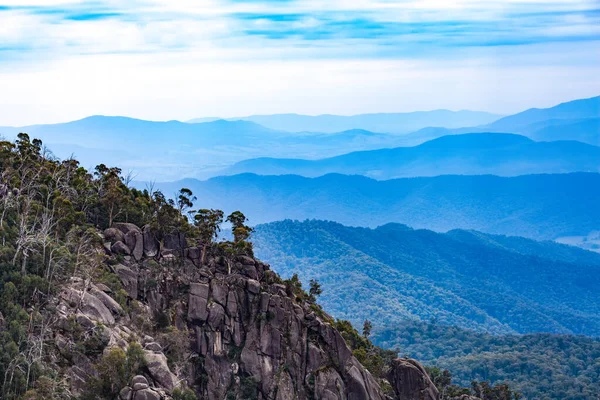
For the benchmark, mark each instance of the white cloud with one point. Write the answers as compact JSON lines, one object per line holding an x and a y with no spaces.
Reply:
{"x":61,"y":60}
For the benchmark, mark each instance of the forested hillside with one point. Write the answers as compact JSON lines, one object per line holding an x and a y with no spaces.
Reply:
{"x":488,"y":283}
{"x":540,"y":366}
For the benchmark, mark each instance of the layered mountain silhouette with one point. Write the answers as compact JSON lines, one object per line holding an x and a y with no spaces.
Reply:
{"x":171,"y":150}
{"x":547,"y":206}
{"x":397,"y":123}
{"x":477,"y":153}
{"x":574,"y":120}
{"x":469,"y":279}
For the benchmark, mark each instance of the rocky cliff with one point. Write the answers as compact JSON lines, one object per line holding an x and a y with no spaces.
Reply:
{"x":222,"y":326}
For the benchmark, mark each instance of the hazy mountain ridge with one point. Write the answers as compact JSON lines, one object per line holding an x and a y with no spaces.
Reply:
{"x":534,"y":206}
{"x":397,"y":123}
{"x":402,"y":273}
{"x":467,"y":154}
{"x":170,"y":150}
{"x":576,"y":109}
{"x":574,"y":120}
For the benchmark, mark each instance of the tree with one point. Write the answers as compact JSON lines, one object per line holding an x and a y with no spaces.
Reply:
{"x":315,"y":289}
{"x":367,"y":327}
{"x":208,"y":223}
{"x":241,"y":231}
{"x":185,"y":200}
{"x":111,"y":191}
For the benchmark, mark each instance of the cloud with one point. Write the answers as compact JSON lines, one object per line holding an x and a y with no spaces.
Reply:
{"x":370,"y":26}
{"x":182,"y":59}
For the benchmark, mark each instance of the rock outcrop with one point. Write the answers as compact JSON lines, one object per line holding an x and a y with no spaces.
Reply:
{"x":248,"y":335}
{"x":410,"y":381}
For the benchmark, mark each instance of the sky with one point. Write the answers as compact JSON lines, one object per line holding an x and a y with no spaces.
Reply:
{"x":183,"y":59}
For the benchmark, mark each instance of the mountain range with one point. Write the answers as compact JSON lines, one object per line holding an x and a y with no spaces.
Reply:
{"x":172,"y":150}
{"x":397,"y":123}
{"x":468,"y":279}
{"x":575,"y":120}
{"x":548,"y":206}
{"x":473,"y":154}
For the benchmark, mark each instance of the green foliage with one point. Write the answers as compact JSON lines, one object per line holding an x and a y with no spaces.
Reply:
{"x":463,"y":278}
{"x":115,"y":370}
{"x":208,"y":223}
{"x":241,"y":231}
{"x":185,"y":394}
{"x":315,"y":290}
{"x":442,"y":379}
{"x":367,"y":327}
{"x":50,"y":213}
{"x":539,"y":366}
{"x":372,"y":357}
{"x":248,"y":388}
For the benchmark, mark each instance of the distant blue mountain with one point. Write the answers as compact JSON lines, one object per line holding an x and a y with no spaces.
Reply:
{"x":173,"y":149}
{"x":467,"y":154}
{"x":397,"y":123}
{"x":107,"y":132}
{"x":574,"y":120}
{"x":583,"y":130}
{"x":536,"y":206}
{"x":572,"y":110}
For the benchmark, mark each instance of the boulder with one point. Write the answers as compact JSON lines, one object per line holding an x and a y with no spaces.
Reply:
{"x":245,"y":260}
{"x":103,"y":287}
{"x":151,"y":245}
{"x":175,"y":241}
{"x":146,"y":394}
{"x":89,"y":305}
{"x":120,"y":248}
{"x":114,"y":235}
{"x":135,"y":241}
{"x":250,"y":271}
{"x":108,"y":301}
{"x":253,"y":286}
{"x":84,"y":322}
{"x":194,"y":254}
{"x":159,"y":370}
{"x":128,"y":278}
{"x":126,"y":227}
{"x":153,"y":346}
{"x":199,"y":289}
{"x":126,"y":393}
{"x":410,"y":381}
{"x":197,"y":309}
{"x":139,"y":382}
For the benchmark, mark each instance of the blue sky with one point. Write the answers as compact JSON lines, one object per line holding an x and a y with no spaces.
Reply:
{"x":180,"y":59}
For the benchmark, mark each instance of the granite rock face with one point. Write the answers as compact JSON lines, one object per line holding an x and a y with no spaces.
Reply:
{"x":246,"y":335}
{"x":410,"y":381}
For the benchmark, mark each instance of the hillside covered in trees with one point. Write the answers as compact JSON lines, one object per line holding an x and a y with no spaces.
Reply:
{"x":490,"y":283}
{"x":539,"y":366}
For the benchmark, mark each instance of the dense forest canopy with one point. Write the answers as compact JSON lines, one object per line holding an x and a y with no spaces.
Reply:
{"x":478,"y":281}
{"x":540,"y":366}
